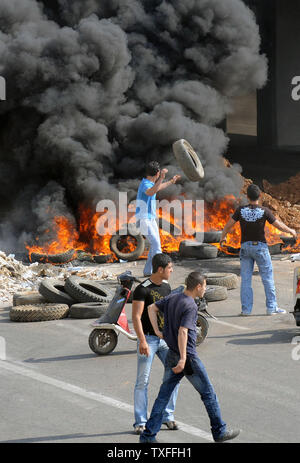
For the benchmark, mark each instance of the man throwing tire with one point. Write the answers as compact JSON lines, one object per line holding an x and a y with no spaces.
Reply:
{"x":146,"y":208}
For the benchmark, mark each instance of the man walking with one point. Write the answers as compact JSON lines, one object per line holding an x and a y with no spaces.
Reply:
{"x":146,"y":208}
{"x":179,"y":332}
{"x":148,"y":292}
{"x":254,"y":248}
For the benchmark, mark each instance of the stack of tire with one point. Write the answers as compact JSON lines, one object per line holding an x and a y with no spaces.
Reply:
{"x":75,"y":298}
{"x":218,"y":285}
{"x":201,"y":250}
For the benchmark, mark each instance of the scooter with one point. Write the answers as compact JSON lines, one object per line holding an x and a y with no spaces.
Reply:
{"x":104,"y":337}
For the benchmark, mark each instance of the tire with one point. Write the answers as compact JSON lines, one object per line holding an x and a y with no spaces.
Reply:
{"x":87,"y":310}
{"x":62,"y":258}
{"x":102,"y":259}
{"x":202,"y":329}
{"x":212,"y":237}
{"x":84,"y":290}
{"x":28,"y":298}
{"x":197,"y":250}
{"x":275,"y":248}
{"x":188,"y":160}
{"x":229,"y":280}
{"x":38,"y":312}
{"x":215,"y":293}
{"x":54,"y":291}
{"x":117,"y":240}
{"x":102,"y":342}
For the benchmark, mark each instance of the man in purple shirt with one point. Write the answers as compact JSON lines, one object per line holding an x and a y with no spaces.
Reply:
{"x":179,"y":332}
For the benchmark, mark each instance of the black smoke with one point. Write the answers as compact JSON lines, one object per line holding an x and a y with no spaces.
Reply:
{"x":94,"y":89}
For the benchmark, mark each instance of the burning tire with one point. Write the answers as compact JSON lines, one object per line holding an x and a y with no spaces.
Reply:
{"x":188,"y":160}
{"x":87,"y":310}
{"x":119,"y":243}
{"x":212,"y":237}
{"x":84,"y":290}
{"x":215,"y":293}
{"x":62,"y":258}
{"x":54,"y":291}
{"x":197,"y":250}
{"x":229,"y":280}
{"x":202,"y":329}
{"x":102,"y":342}
{"x":102,"y":259}
{"x":38,"y":312}
{"x":28,"y":298}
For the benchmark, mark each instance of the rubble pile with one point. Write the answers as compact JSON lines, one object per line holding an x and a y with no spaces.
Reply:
{"x":283,"y":200}
{"x":15,"y":276}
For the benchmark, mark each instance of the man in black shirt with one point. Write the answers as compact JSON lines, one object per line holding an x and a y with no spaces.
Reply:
{"x":150,"y":291}
{"x":254,"y":248}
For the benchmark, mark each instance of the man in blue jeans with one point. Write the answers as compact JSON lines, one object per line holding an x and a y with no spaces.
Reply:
{"x":149,"y":345}
{"x":254,"y":248}
{"x":179,"y":332}
{"x":146,"y":208}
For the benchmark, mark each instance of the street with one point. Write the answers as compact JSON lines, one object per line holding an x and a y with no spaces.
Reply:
{"x":55,"y":389}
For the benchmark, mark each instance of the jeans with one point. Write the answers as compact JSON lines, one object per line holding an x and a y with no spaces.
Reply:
{"x":258,"y":253}
{"x":159,"y":347}
{"x":150,"y":230}
{"x":200,"y":380}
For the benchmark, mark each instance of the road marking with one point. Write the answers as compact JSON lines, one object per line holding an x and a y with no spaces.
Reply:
{"x":238,"y":327}
{"x":98,"y":397}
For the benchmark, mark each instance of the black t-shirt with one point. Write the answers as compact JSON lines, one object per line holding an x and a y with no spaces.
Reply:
{"x":150,"y":293}
{"x":179,"y":310}
{"x":252,"y":220}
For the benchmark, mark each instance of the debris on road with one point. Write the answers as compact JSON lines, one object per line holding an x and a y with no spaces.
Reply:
{"x":16,"y":277}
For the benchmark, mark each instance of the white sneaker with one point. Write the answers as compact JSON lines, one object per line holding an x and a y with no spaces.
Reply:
{"x":277,"y":311}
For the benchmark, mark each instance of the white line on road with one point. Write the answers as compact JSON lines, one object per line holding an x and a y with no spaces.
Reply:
{"x":98,"y":397}
{"x":238,"y":327}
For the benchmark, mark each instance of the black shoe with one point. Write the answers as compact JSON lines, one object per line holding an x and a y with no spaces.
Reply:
{"x":230,"y":434}
{"x":171,"y":425}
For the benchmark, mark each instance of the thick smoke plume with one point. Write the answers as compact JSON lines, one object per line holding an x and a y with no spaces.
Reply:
{"x":94,"y":89}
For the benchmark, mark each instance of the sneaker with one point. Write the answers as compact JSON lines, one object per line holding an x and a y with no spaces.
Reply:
{"x":277,"y":311}
{"x":245,"y":314}
{"x":139,"y":429}
{"x":171,"y":425}
{"x":230,"y":434}
{"x":151,"y":440}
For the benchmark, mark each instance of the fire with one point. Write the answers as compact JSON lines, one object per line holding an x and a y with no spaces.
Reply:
{"x":85,"y":236}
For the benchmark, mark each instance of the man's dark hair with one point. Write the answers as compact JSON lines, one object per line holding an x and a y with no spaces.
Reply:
{"x":160,"y":260}
{"x":194,"y":279}
{"x":253,"y":192}
{"x":152,"y":168}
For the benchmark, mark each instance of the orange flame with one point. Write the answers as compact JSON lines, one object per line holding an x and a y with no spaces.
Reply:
{"x":85,"y":237}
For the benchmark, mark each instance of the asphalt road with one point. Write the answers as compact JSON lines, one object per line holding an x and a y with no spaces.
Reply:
{"x":53,"y":388}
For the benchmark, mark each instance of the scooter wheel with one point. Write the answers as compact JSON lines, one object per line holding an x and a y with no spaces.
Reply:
{"x":103,"y":341}
{"x":202,"y":329}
